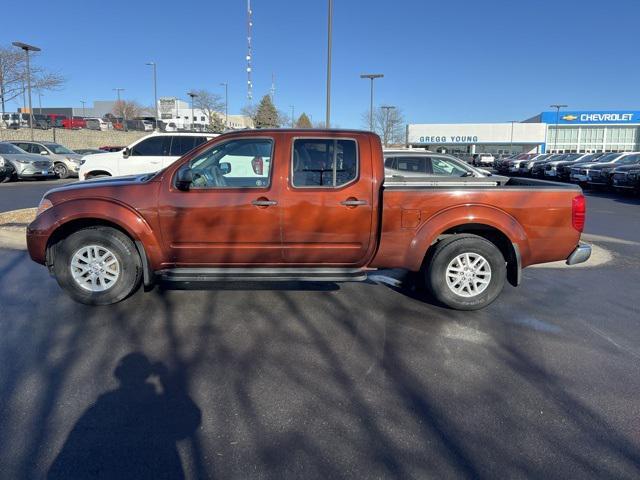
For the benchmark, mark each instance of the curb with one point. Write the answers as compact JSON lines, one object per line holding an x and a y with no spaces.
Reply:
{"x":13,"y":238}
{"x":13,"y":228}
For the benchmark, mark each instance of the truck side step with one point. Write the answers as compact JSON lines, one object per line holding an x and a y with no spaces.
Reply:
{"x":262,"y":274}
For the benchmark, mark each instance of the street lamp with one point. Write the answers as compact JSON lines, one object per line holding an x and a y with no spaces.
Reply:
{"x":372,"y":77}
{"x":40,"y":102}
{"x":386,"y":133}
{"x":557,"y":107}
{"x":155,"y":91}
{"x":226,"y":103}
{"x":124,"y":113}
{"x":293,"y":115}
{"x":28,"y":48}
{"x":327,"y":121}
{"x":192,"y":95}
{"x":511,"y":142}
{"x":83,"y":111}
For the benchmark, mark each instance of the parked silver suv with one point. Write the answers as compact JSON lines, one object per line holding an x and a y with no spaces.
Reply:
{"x":66,"y":163}
{"x":25,"y":165}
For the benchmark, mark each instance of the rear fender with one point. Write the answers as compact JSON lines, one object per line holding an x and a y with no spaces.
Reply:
{"x":457,"y":216}
{"x":95,"y":211}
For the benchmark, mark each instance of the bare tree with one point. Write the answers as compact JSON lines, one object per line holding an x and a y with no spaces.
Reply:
{"x":13,"y":75}
{"x":389,"y":123}
{"x":127,"y":109}
{"x":211,"y":105}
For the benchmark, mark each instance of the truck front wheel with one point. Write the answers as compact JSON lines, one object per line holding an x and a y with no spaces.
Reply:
{"x":97,"y":266}
{"x":465,"y":272}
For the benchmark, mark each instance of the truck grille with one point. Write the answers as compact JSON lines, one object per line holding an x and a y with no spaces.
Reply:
{"x":619,"y":176}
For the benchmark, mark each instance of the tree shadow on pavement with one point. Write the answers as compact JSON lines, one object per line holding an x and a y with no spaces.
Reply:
{"x":131,"y":432}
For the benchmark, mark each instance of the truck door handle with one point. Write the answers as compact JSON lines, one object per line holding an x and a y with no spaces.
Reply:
{"x":353,"y":202}
{"x":263,"y":202}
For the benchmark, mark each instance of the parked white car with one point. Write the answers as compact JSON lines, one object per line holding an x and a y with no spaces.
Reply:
{"x":146,"y":155}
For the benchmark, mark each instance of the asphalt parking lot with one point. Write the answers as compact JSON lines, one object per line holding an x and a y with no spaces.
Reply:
{"x":327,"y":381}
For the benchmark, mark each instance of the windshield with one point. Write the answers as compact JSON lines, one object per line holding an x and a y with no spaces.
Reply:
{"x":572,"y":156}
{"x":608,"y":157}
{"x":59,"y":149}
{"x":11,"y":149}
{"x":628,"y":160}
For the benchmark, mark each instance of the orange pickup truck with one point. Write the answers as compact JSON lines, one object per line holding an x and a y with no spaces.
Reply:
{"x":307,"y":205}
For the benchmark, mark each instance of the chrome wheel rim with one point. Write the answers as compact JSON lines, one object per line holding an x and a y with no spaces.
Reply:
{"x":95,"y":268}
{"x":60,"y":169}
{"x":468,"y":274}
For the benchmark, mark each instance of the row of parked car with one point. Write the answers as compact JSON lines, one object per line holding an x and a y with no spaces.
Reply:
{"x":615,"y":170}
{"x":23,"y":159}
{"x":55,"y":120}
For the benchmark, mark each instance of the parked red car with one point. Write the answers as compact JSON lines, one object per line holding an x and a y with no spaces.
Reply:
{"x":74,"y":123}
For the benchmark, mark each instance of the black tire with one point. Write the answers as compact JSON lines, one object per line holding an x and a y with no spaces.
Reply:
{"x":122,"y":247}
{"x":6,"y":178}
{"x":445,"y":251}
{"x":61,"y":170}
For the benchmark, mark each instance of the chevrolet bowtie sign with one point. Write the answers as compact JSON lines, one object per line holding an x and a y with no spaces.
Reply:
{"x":583,"y":117}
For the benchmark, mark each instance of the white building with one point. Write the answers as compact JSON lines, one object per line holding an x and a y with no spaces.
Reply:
{"x":174,"y":110}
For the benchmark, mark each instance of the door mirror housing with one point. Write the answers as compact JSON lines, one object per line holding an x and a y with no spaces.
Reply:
{"x":126,"y":153}
{"x":184,"y":177}
{"x":44,"y":152}
{"x":225,"y":168}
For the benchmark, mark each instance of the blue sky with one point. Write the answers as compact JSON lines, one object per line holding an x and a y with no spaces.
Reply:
{"x":443,"y":61}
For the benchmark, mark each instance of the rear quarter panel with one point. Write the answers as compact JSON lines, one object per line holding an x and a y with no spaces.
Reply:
{"x":538,"y":221}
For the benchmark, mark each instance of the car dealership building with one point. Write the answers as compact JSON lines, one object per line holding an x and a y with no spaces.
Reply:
{"x":570,"y":131}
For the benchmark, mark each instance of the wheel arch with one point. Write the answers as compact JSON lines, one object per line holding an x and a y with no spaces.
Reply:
{"x":490,"y":223}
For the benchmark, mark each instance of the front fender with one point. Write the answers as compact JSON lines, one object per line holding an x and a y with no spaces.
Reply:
{"x":94,"y":211}
{"x":456,"y":216}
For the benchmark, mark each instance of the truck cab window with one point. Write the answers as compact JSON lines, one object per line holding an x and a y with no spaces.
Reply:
{"x":324,"y":163}
{"x":235,"y":164}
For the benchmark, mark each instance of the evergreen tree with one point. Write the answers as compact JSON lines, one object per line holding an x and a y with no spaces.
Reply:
{"x":303,"y":121}
{"x":266,"y":115}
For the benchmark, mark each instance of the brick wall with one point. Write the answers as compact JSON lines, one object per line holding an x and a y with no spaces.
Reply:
{"x":75,"y":138}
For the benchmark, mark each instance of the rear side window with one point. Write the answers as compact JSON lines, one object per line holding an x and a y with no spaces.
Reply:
{"x":388,"y":163}
{"x":324,"y":163}
{"x":181,"y":145}
{"x":446,"y":167}
{"x":411,"y":164}
{"x":152,"y":147}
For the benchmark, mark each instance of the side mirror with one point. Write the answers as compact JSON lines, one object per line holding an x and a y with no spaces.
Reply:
{"x":184,"y":177}
{"x":225,"y":168}
{"x":126,"y":152}
{"x":44,"y":152}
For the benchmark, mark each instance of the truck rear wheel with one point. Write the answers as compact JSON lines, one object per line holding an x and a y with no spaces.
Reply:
{"x":98,"y":266}
{"x":465,"y":272}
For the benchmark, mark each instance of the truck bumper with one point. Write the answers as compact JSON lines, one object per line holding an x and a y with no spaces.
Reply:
{"x":581,"y":254}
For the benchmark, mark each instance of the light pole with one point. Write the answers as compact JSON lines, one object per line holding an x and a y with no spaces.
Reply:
{"x":327,"y":122}
{"x":293,"y":115}
{"x":511,"y":142}
{"x":386,"y":133}
{"x":83,"y":110}
{"x":226,"y":103}
{"x":555,"y":139}
{"x":372,"y":77}
{"x":122,"y":110}
{"x":155,"y":91}
{"x":28,"y":48}
{"x":192,"y":95}
{"x":40,"y":102}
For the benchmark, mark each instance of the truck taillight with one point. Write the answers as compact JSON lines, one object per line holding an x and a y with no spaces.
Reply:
{"x":257,"y":165}
{"x":578,"y":212}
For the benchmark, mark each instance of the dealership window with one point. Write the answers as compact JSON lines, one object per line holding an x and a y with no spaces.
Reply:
{"x":324,"y":162}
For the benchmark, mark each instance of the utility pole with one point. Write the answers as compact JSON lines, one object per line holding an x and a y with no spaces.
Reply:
{"x":83,"y":110}
{"x":155,"y":93}
{"x":511,"y":142}
{"x":192,"y":95}
{"x":124,"y":113}
{"x":372,"y":77}
{"x":249,"y":51}
{"x":40,"y":102}
{"x":293,"y":116}
{"x":555,"y":139}
{"x":327,"y":121}
{"x":28,"y":48}
{"x":226,"y":103}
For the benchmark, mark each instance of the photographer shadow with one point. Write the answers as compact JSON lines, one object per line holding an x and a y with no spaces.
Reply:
{"x":131,"y":432}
